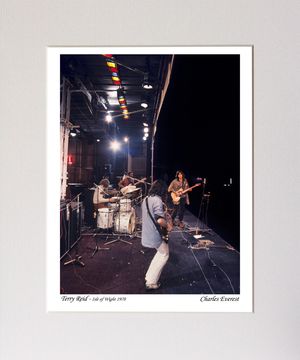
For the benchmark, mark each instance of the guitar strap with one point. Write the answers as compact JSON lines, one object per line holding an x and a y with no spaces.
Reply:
{"x":154,"y":222}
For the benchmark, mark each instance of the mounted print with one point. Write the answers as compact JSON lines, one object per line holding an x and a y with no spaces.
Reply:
{"x":150,"y":179}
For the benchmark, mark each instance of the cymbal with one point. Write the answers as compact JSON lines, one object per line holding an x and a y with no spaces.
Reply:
{"x":127,"y":189}
{"x":132,"y":190}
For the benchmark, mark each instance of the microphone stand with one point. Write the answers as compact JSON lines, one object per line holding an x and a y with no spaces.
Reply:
{"x":139,"y":180}
{"x":202,"y":213}
{"x":204,"y":206}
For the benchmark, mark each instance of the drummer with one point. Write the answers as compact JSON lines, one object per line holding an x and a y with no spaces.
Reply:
{"x":102,"y":196}
{"x":126,"y":180}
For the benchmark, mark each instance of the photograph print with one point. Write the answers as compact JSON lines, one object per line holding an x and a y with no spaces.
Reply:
{"x":150,"y":169}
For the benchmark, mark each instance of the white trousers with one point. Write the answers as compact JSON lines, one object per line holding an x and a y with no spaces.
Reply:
{"x":157,"y":264}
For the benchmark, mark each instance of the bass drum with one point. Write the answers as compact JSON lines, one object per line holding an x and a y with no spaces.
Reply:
{"x":124,"y":222}
{"x":105,"y":218}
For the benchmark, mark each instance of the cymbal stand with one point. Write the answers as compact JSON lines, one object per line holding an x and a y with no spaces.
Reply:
{"x":97,"y":247}
{"x":77,"y":259}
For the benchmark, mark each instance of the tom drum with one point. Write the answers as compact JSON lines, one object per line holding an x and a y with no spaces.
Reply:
{"x":125,"y":205}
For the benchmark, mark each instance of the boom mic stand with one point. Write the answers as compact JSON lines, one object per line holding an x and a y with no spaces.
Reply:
{"x":139,"y":180}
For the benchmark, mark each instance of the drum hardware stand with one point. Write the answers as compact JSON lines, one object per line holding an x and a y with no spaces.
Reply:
{"x":77,"y":259}
{"x":118,"y":239}
{"x":98,"y":248}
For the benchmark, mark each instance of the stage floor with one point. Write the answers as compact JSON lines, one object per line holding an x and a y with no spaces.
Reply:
{"x":206,"y":265}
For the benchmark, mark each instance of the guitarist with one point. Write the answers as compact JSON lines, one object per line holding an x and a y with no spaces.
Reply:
{"x":178,"y":185}
{"x":153,"y":221}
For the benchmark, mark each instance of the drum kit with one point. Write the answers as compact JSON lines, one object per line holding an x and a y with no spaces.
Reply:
{"x":119,"y":216}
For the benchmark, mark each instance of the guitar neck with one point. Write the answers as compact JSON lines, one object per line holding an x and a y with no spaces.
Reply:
{"x":190,"y":188}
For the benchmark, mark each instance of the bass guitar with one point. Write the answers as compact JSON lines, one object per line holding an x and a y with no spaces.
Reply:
{"x":177,"y":195}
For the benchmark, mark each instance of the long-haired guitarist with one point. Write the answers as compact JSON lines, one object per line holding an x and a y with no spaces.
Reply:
{"x":176,"y":188}
{"x":179,"y":189}
{"x":154,"y":222}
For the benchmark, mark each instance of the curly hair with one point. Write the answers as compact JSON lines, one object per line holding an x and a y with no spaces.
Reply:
{"x":104,"y":183}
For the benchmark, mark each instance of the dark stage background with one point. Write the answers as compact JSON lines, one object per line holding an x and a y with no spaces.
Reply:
{"x":198,"y":132}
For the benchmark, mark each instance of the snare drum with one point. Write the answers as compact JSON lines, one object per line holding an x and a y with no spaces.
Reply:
{"x":105,"y":218}
{"x":124,"y":222}
{"x":125,"y":205}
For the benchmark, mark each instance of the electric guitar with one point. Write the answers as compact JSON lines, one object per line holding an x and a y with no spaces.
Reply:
{"x":164,"y":232}
{"x":177,"y":195}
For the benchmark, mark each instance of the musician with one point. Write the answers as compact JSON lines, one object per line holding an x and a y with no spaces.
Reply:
{"x":127,"y":180}
{"x":151,"y":237}
{"x":102,"y":196}
{"x":178,"y":185}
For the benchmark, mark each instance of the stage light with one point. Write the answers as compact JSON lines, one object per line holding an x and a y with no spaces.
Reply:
{"x":146,"y":129}
{"x":73,"y":134}
{"x":144,"y":138}
{"x":98,"y":140}
{"x":145,"y":124}
{"x":144,"y":105}
{"x":146,"y":84}
{"x":108,"y":118}
{"x":126,"y":139}
{"x":115,"y":145}
{"x":146,"y":135}
{"x":70,"y":160}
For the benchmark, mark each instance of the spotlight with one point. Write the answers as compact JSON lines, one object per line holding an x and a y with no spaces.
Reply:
{"x":98,"y":140}
{"x":108,"y":118}
{"x":73,"y":134}
{"x":146,"y":135}
{"x":145,"y":124}
{"x":144,"y":138}
{"x":146,"y":129}
{"x":144,"y":104}
{"x":126,"y":139}
{"x":115,"y":145}
{"x":147,"y":85}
